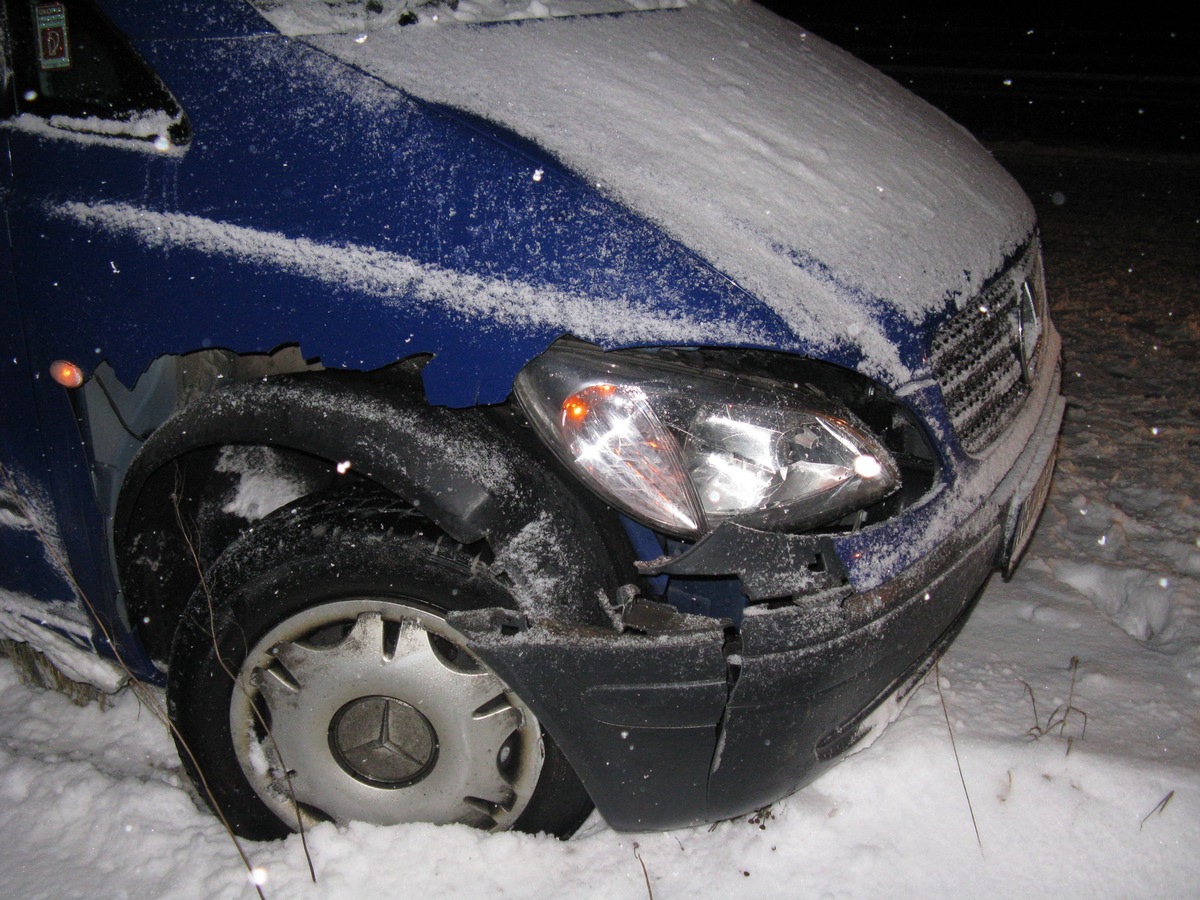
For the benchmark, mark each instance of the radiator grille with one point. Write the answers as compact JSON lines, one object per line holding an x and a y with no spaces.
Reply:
{"x":985,"y":357}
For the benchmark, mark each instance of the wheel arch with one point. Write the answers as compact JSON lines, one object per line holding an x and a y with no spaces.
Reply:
{"x":463,"y":469}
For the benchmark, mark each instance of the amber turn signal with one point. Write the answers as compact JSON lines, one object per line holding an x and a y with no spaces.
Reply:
{"x":66,"y":373}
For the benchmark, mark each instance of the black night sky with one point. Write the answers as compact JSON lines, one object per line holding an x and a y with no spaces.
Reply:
{"x":1055,"y":76}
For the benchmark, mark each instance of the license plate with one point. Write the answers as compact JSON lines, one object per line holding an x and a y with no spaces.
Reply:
{"x":1024,"y":511}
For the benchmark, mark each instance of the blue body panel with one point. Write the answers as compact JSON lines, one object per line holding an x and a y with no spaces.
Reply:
{"x":293,"y":145}
{"x":297,"y":158}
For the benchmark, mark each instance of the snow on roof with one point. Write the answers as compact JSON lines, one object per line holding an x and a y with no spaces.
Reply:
{"x":816,"y":183}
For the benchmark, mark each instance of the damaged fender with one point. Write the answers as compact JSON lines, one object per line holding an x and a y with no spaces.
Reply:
{"x":457,"y":467}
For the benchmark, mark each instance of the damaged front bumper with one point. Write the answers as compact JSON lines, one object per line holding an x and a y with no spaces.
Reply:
{"x":681,"y":719}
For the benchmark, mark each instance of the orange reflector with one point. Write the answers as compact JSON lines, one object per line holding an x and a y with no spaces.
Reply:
{"x":66,"y":373}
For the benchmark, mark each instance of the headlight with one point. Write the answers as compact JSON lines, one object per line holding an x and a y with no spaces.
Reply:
{"x":684,"y":450}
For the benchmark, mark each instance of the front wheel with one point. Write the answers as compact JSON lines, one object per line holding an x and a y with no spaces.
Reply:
{"x":316,"y":678}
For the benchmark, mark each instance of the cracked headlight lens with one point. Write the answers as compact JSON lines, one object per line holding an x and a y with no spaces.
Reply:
{"x":684,"y":449}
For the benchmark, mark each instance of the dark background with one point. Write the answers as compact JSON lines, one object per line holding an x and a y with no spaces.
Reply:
{"x":1050,"y":76}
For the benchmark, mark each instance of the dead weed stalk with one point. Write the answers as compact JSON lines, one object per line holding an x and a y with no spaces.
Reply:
{"x":1056,"y":722}
{"x":937,"y":680}
{"x":237,"y":683}
{"x":645,"y":874}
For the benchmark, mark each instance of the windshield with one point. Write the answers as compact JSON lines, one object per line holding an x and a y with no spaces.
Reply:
{"x":310,"y":17}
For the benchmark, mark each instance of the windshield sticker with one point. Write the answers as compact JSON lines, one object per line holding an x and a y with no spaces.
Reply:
{"x":54,"y":47}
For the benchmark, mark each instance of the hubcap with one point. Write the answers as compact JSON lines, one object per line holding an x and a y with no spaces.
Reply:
{"x":372,"y":710}
{"x":383,"y":741}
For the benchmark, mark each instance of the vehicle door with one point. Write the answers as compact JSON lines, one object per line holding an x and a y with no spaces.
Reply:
{"x":29,"y":569}
{"x":86,"y":121}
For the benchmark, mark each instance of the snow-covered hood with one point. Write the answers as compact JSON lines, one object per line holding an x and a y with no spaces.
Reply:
{"x":820,"y":186}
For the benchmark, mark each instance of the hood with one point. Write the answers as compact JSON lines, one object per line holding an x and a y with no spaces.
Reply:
{"x":820,"y":186}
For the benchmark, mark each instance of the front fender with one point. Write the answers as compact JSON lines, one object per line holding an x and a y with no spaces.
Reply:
{"x":557,"y":549}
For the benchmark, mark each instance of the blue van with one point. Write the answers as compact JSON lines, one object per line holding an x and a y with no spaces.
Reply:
{"x":474,"y":412}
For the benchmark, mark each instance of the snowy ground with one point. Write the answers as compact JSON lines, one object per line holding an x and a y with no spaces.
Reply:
{"x":92,"y":802}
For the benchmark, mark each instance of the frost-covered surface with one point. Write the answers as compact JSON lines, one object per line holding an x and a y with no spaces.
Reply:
{"x":144,"y":134}
{"x":59,"y":635}
{"x":814,"y":182}
{"x":145,"y":125}
{"x":518,"y":558}
{"x":23,"y":507}
{"x":305,"y":17}
{"x":93,"y":803}
{"x":263,"y":485}
{"x":406,"y":284}
{"x":62,"y":631}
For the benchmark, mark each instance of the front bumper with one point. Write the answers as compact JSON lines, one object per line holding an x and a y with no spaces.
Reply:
{"x":677,"y":719}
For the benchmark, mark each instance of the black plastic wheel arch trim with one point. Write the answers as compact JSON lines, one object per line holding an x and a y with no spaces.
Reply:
{"x":458,"y":467}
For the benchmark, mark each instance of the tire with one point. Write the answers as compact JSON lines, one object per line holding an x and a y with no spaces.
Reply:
{"x":317,"y":679}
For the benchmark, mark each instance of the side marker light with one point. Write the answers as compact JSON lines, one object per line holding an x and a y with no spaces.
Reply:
{"x":66,"y":373}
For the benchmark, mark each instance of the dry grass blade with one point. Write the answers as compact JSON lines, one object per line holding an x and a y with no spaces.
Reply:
{"x":937,"y":680}
{"x":212,"y":631}
{"x":1158,"y":808}
{"x":645,"y":874}
{"x":142,"y":691}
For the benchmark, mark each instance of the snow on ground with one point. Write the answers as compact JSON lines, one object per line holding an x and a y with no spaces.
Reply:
{"x":92,"y":801}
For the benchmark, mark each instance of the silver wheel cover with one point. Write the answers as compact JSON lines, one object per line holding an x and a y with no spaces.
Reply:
{"x":377,"y":718}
